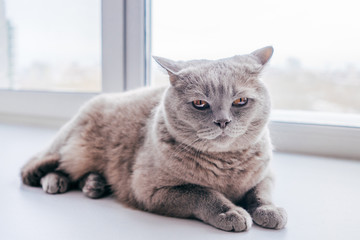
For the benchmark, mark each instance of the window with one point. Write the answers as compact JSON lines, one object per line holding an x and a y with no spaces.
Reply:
{"x":316,"y":64}
{"x":312,"y":69}
{"x":51,"y":45}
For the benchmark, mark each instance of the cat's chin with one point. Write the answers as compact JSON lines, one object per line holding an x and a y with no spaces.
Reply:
{"x":223,"y":136}
{"x":228,"y":136}
{"x":220,"y":144}
{"x":226,"y":142}
{"x":223,"y":140}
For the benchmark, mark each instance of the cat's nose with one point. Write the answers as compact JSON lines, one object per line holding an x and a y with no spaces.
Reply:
{"x":222,"y":123}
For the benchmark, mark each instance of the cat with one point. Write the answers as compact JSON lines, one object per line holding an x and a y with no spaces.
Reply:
{"x":198,"y":148}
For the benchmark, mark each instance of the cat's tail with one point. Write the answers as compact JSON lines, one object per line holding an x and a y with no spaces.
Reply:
{"x":38,"y":166}
{"x":48,"y":160}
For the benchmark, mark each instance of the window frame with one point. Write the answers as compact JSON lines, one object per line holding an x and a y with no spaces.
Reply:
{"x":126,"y":65}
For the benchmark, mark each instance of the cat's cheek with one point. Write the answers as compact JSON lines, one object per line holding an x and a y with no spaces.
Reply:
{"x":198,"y":119}
{"x":243,"y":116}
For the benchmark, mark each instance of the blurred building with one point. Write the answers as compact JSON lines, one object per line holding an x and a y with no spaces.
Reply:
{"x":6,"y":49}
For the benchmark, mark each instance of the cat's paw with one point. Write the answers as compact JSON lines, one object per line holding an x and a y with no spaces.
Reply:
{"x":235,"y":219}
{"x":94,"y":186}
{"x":55,"y":183}
{"x":270,"y":216}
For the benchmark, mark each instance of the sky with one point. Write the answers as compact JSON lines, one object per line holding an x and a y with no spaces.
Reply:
{"x":56,"y":32}
{"x":318,"y":33}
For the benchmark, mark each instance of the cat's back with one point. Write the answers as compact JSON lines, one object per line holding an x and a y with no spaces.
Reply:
{"x":112,"y":125}
{"x":126,"y":107}
{"x":137,"y":101}
{"x":122,"y":115}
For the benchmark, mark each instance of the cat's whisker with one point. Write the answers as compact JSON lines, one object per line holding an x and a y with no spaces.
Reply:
{"x":186,"y":147}
{"x":205,"y":130}
{"x":209,"y":133}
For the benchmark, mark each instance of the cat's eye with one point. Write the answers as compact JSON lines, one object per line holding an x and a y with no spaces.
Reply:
{"x":200,"y":104}
{"x":240,"y":102}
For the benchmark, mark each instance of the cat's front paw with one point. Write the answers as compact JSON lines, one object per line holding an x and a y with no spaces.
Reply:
{"x":235,"y":219}
{"x":270,"y":216}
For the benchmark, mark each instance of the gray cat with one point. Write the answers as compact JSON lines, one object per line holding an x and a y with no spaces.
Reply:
{"x":199,"y":148}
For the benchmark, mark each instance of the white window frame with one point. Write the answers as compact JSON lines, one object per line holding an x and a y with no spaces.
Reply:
{"x":125,"y":59}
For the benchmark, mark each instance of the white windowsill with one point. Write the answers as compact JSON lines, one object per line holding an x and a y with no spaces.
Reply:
{"x":320,"y":194}
{"x":316,"y":133}
{"x":316,"y":118}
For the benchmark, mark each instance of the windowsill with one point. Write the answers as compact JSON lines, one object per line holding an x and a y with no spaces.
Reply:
{"x":316,"y":118}
{"x":320,"y":194}
{"x":316,"y":133}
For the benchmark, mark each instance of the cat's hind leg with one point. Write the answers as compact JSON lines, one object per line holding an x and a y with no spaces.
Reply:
{"x":75,"y":151}
{"x":68,"y":153}
{"x":55,"y":182}
{"x":94,"y":185}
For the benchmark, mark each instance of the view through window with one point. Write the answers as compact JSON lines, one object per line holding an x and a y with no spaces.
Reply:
{"x":316,"y":63}
{"x":50,"y":45}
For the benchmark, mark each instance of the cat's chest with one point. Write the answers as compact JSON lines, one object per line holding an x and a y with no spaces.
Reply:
{"x":230,"y":173}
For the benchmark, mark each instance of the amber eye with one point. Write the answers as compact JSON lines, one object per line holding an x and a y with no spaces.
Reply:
{"x":200,"y":104}
{"x":240,"y":102}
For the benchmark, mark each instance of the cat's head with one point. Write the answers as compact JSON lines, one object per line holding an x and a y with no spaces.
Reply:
{"x":217,"y":105}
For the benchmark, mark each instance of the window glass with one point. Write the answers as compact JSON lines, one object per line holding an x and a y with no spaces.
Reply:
{"x":316,"y":63}
{"x":50,"y":45}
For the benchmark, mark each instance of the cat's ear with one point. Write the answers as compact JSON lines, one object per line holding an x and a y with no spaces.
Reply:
{"x":170,"y":66}
{"x":264,"y":54}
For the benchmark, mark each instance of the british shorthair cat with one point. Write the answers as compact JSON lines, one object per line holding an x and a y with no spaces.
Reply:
{"x":199,"y":148}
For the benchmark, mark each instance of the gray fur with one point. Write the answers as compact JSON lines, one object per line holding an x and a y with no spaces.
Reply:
{"x":93,"y":185}
{"x":160,"y":154}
